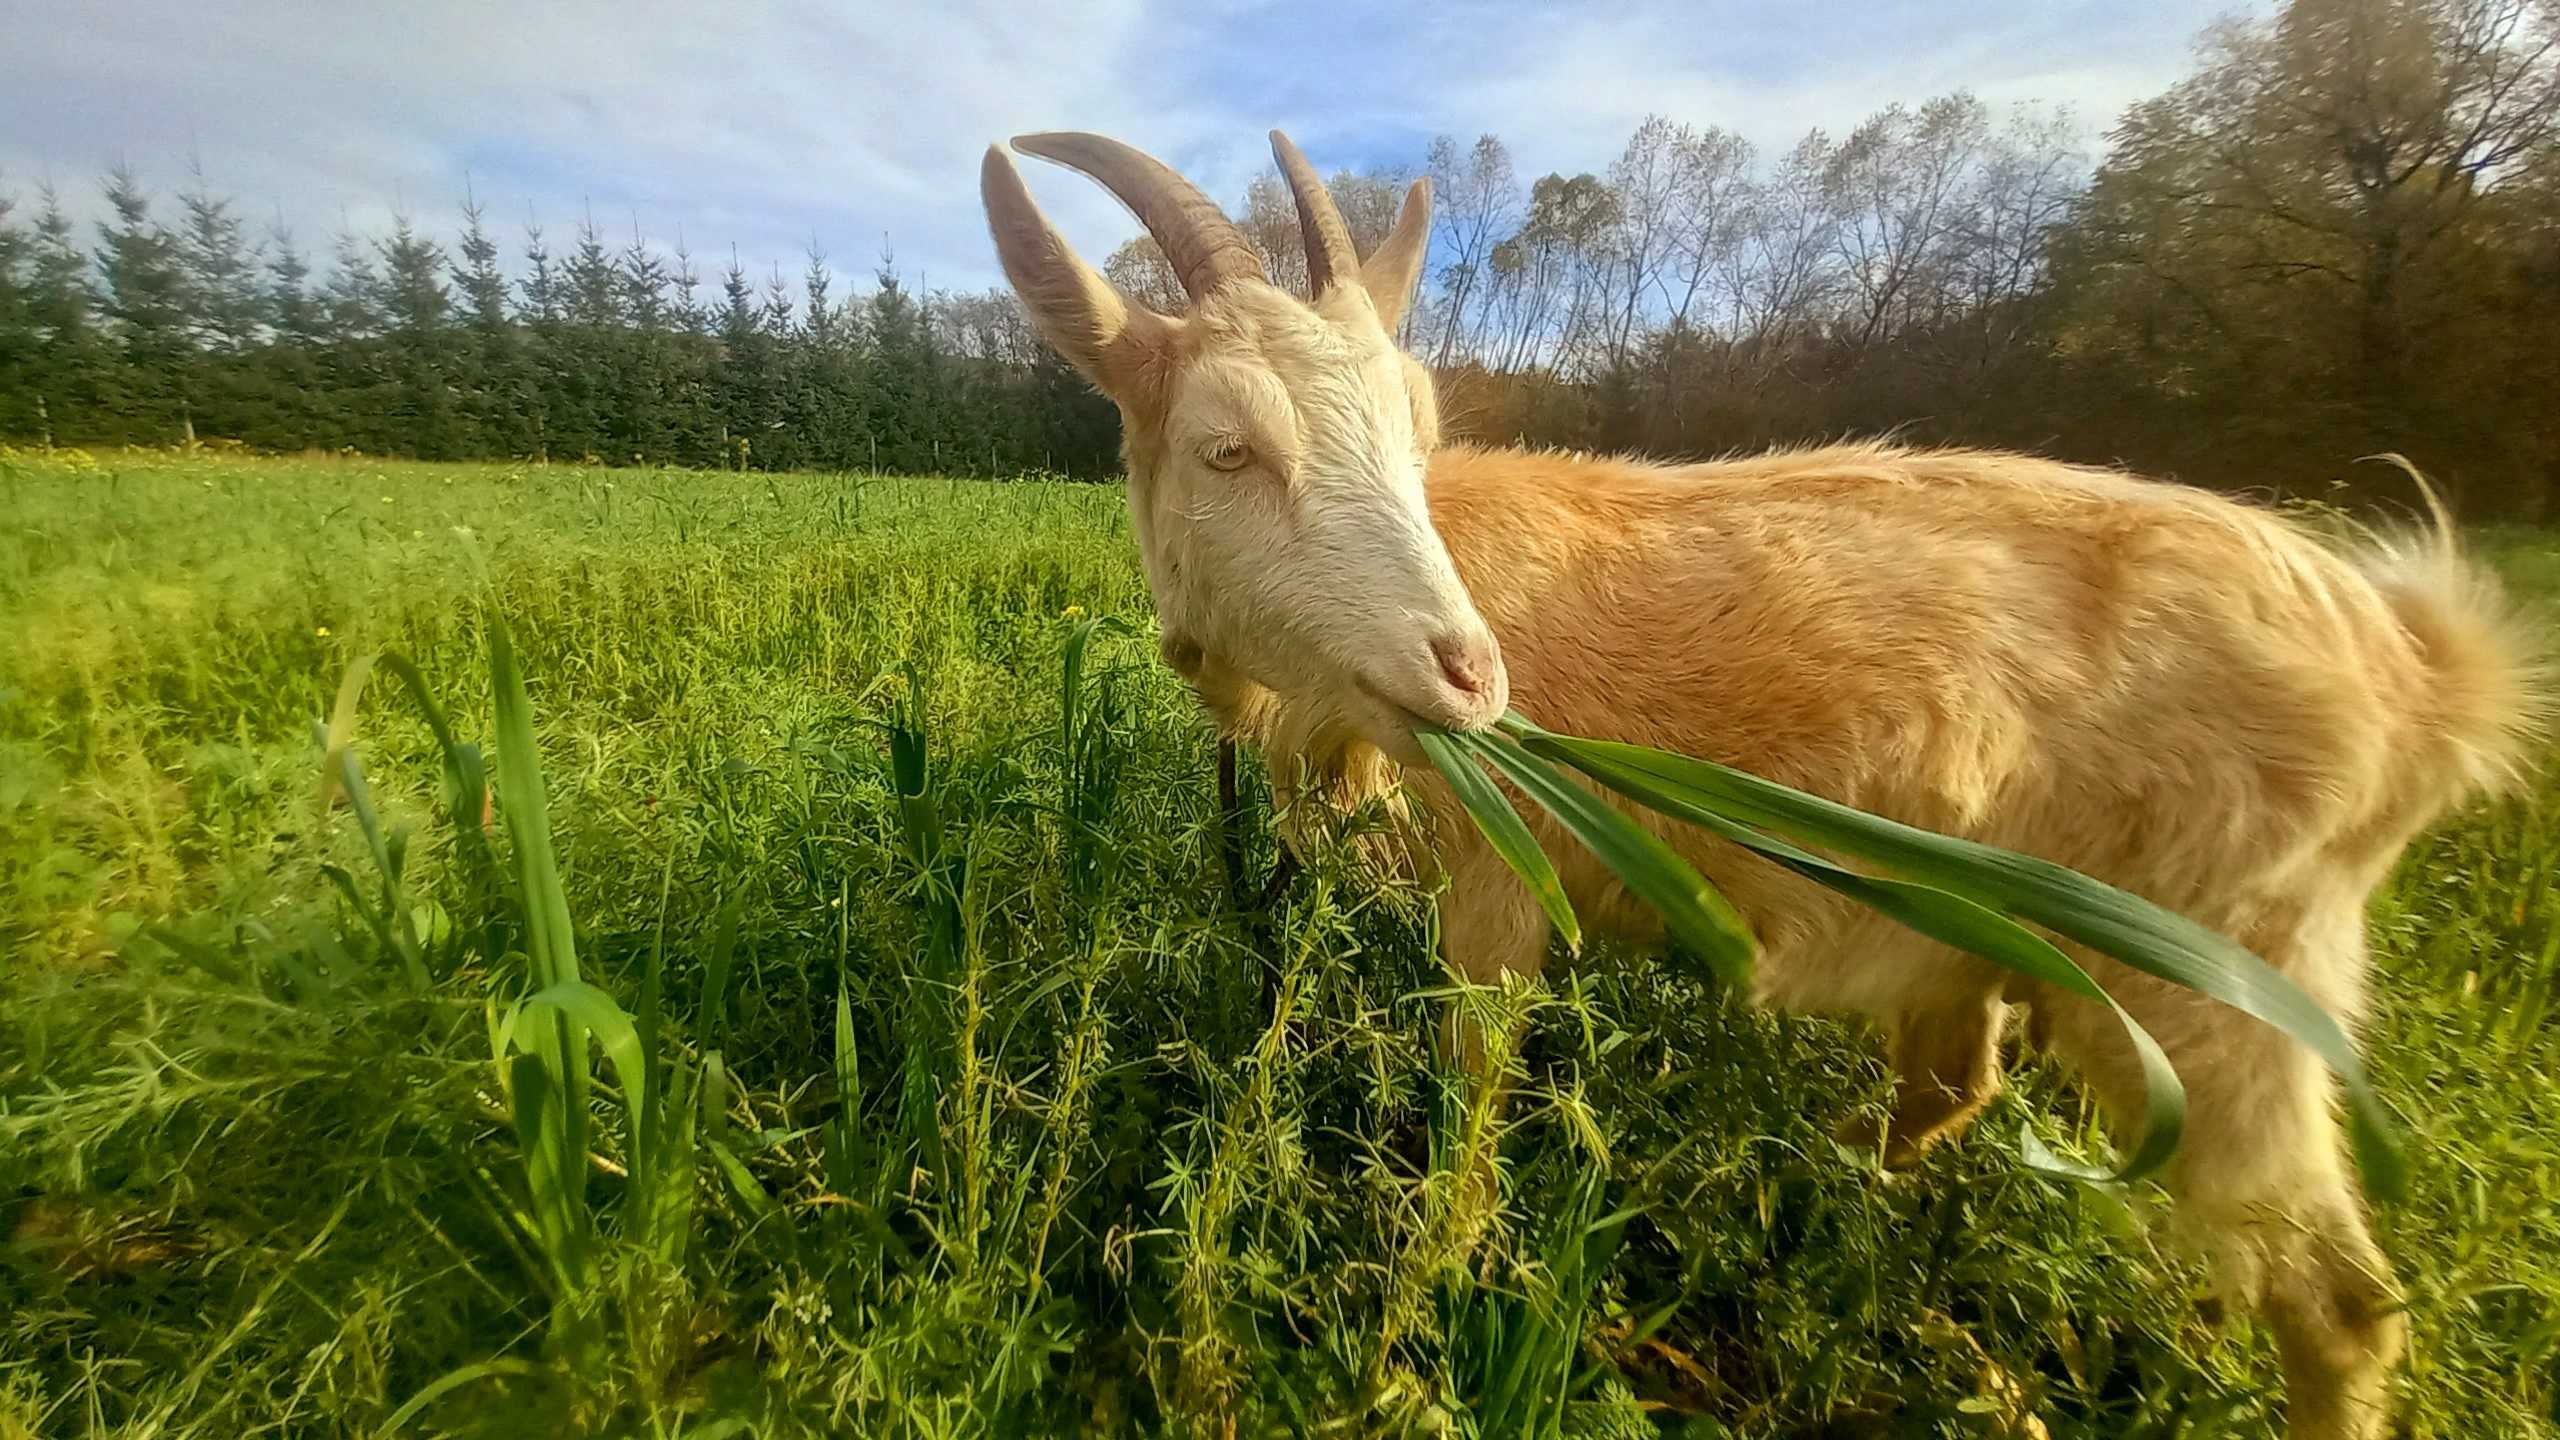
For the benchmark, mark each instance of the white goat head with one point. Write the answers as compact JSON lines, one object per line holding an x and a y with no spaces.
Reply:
{"x":1275,"y":446}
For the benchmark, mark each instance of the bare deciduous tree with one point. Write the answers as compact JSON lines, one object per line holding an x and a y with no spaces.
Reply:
{"x":1475,"y":203}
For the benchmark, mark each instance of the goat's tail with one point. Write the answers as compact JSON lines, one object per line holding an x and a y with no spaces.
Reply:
{"x":2491,"y":696}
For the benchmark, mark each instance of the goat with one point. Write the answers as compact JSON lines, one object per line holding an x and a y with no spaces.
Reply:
{"x":2186,"y":696}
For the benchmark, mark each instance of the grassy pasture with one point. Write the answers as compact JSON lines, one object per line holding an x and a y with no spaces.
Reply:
{"x":976,"y":1107}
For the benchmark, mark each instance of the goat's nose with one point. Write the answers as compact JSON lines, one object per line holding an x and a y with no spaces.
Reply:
{"x":1468,"y":662}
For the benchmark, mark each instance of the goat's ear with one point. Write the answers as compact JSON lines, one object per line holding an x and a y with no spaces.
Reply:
{"x":1390,"y":272}
{"x":1425,"y":399}
{"x":1118,"y":344}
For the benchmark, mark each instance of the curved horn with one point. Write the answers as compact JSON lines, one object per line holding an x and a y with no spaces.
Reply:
{"x":1330,"y":255}
{"x":1204,"y":246}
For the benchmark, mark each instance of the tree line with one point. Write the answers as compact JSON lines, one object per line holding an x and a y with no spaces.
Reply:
{"x":189,"y":326}
{"x":2339,"y":235}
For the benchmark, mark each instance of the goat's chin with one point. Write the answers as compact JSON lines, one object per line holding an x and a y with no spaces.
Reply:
{"x":1385,"y":724}
{"x":1394,"y":736}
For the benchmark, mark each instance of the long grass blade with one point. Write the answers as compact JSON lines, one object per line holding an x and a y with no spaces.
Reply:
{"x":594,"y":1013}
{"x":715,"y":974}
{"x":1696,"y":912}
{"x":2111,"y":921}
{"x":1503,"y":827}
{"x":342,"y":777}
{"x":552,"y":938}
{"x":451,"y":1380}
{"x":466,"y":777}
{"x":1071,"y":678}
{"x":341,"y":733}
{"x":844,"y":1136}
{"x":554,"y":1170}
{"x":559,"y":1047}
{"x":411,"y":966}
{"x":1953,"y":920}
{"x":662,"y":1190}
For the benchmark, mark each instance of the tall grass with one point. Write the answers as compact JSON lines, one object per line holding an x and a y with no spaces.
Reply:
{"x":932,"y":1082}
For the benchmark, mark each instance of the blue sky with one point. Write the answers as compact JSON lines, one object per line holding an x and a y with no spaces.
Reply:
{"x":768,"y":124}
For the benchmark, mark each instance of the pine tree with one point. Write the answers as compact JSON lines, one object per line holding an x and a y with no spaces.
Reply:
{"x":692,"y":401}
{"x":351,"y":301}
{"x":71,"y":359}
{"x":595,"y":424}
{"x":748,"y":386}
{"x":541,"y":283}
{"x":483,"y":288}
{"x":298,"y":401}
{"x":221,"y":269}
{"x":783,"y":446}
{"x":684,"y":286}
{"x":647,"y":371}
{"x":901,"y":379}
{"x":18,"y":346}
{"x":588,"y":355}
{"x":824,"y":329}
{"x":548,"y":394}
{"x":595,"y":282}
{"x":415,"y":301}
{"x":489,"y":368}
{"x":644,"y":287}
{"x":415,"y":306}
{"x":147,"y":302}
{"x":293,"y":315}
{"x":776,"y":310}
{"x":738,"y":316}
{"x":825,"y":407}
{"x":63,"y":300}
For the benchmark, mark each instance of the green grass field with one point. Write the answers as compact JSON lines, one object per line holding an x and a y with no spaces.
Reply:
{"x":961,"y":1099}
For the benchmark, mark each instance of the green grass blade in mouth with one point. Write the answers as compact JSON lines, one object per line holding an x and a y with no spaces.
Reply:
{"x":2113,"y":922}
{"x":1503,"y":828}
{"x":1960,"y":892}
{"x":1954,"y":920}
{"x":1697,"y":913}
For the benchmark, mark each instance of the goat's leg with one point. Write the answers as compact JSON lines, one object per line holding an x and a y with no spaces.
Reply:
{"x":1285,"y":866}
{"x":1230,"y":842}
{"x":1490,"y":928}
{"x":2261,"y":1176}
{"x":1946,"y":1067}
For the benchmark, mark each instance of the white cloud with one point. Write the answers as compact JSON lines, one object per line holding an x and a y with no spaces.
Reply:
{"x":770,"y":124}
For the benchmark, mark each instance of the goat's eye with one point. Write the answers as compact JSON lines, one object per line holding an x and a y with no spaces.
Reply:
{"x":1229,"y":455}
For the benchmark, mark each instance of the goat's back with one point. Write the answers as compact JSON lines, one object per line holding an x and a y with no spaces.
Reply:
{"x":2188,"y":696}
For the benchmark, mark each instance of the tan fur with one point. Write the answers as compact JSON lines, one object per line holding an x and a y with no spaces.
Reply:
{"x":2181,"y":695}
{"x":2185,"y":696}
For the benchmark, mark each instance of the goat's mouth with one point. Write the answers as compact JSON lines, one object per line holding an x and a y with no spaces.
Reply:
{"x":1449,"y":707}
